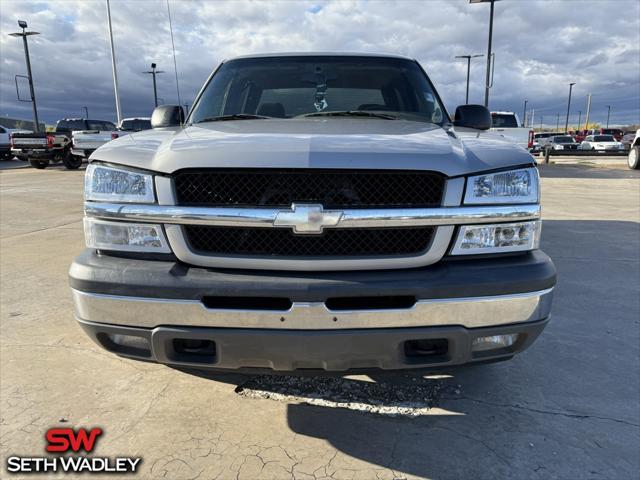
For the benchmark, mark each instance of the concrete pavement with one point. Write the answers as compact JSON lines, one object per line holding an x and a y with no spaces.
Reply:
{"x":567,"y":408}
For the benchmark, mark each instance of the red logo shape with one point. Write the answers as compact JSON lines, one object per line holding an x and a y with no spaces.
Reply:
{"x":65,"y":439}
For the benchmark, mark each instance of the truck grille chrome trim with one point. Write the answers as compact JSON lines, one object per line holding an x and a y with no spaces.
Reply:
{"x":470,"y":312}
{"x":351,"y":218}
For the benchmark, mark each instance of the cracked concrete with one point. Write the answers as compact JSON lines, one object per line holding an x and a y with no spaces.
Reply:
{"x":567,"y":408}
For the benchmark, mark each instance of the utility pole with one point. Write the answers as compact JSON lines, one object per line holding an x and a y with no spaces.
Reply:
{"x":24,"y":34}
{"x":579,"y":118}
{"x":566,"y":123}
{"x":154,"y":72}
{"x":524,"y":113}
{"x":113,"y":66}
{"x":586,"y":123}
{"x":488,"y":85}
{"x":608,"y":114}
{"x":468,"y":57}
{"x":86,"y":112}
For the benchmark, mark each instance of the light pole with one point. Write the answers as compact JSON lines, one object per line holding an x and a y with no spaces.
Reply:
{"x":579,"y":118}
{"x":154,"y":72}
{"x":24,"y":34}
{"x":608,"y":114}
{"x":524,"y":113}
{"x":558,"y":123}
{"x":113,"y":66}
{"x":86,"y":112}
{"x":566,"y":123}
{"x":541,"y":117}
{"x":487,"y":85}
{"x":586,"y":122}
{"x":468,"y":57}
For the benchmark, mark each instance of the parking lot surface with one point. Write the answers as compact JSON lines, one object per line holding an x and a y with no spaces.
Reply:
{"x":567,"y":408}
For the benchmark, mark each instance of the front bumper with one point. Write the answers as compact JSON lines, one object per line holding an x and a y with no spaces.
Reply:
{"x":141,"y":308}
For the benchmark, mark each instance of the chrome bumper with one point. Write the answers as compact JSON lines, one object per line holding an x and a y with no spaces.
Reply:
{"x":473,"y":312}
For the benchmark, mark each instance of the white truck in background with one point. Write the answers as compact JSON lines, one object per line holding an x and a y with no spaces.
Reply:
{"x":508,"y":125}
{"x":85,"y":142}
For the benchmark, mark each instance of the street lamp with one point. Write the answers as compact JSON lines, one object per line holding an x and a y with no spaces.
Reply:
{"x":524,"y":113}
{"x":487,"y":85}
{"x":154,"y":72}
{"x":566,"y":123}
{"x":608,"y":114}
{"x":24,"y":34}
{"x":579,"y":118}
{"x":86,"y":112}
{"x":468,"y":57}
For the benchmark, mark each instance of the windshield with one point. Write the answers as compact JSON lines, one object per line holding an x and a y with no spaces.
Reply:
{"x":135,"y":125}
{"x":604,"y":138}
{"x":563,"y":139}
{"x":68,"y":125}
{"x":503,"y":120}
{"x":290,"y":87}
{"x":100,"y":125}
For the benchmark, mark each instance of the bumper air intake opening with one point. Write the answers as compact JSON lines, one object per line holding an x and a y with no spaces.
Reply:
{"x":371,"y":303}
{"x":427,"y":350}
{"x":128,"y":345}
{"x":247,"y":303}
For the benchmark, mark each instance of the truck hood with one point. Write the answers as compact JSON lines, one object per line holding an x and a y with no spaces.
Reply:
{"x":336,"y":143}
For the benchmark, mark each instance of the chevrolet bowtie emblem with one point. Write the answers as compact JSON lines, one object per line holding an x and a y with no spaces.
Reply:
{"x":307,"y":218}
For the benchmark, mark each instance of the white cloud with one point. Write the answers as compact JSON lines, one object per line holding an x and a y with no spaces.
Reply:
{"x":540,"y":47}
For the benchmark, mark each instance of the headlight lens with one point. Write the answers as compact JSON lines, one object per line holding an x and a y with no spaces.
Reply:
{"x":513,"y":186}
{"x":121,"y":236}
{"x":499,"y":238}
{"x":102,"y":183}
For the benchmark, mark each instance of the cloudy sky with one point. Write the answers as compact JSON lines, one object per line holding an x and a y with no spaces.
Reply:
{"x":540,"y":46}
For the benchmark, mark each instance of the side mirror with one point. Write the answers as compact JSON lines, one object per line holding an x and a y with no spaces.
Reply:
{"x":167,"y":116}
{"x":473,"y":116}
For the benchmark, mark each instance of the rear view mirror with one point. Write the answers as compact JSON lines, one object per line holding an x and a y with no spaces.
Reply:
{"x":167,"y":116}
{"x":473,"y":116}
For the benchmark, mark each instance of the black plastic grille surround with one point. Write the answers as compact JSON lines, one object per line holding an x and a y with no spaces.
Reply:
{"x":331,"y":188}
{"x":282,"y":242}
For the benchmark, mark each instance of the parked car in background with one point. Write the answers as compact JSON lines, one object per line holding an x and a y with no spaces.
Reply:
{"x":97,"y":133}
{"x":42,"y":148}
{"x":87,"y":141}
{"x":601,"y":143}
{"x":562,"y":142}
{"x":616,"y":132}
{"x":136,"y":124}
{"x":627,"y":139}
{"x":508,"y":125}
{"x":634,"y":152}
{"x":5,"y":142}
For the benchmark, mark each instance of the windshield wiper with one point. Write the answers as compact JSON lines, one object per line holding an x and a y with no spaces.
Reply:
{"x":235,"y":116}
{"x":351,"y":113}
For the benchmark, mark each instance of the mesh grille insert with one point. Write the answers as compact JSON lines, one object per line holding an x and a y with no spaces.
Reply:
{"x":331,"y":188}
{"x":274,"y":242}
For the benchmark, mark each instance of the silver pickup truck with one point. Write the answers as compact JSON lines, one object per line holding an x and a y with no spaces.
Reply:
{"x":315,"y":212}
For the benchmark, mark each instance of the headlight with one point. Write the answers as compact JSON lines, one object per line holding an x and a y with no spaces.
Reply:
{"x":513,"y":186}
{"x":123,"y":236}
{"x":103,"y":183}
{"x":499,"y":238}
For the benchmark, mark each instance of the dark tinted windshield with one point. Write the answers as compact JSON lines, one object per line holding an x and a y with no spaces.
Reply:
{"x":135,"y":125}
{"x":100,"y":125}
{"x":603,"y":138}
{"x":68,"y":125}
{"x":500,"y":120}
{"x":563,"y":139}
{"x":287,"y":87}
